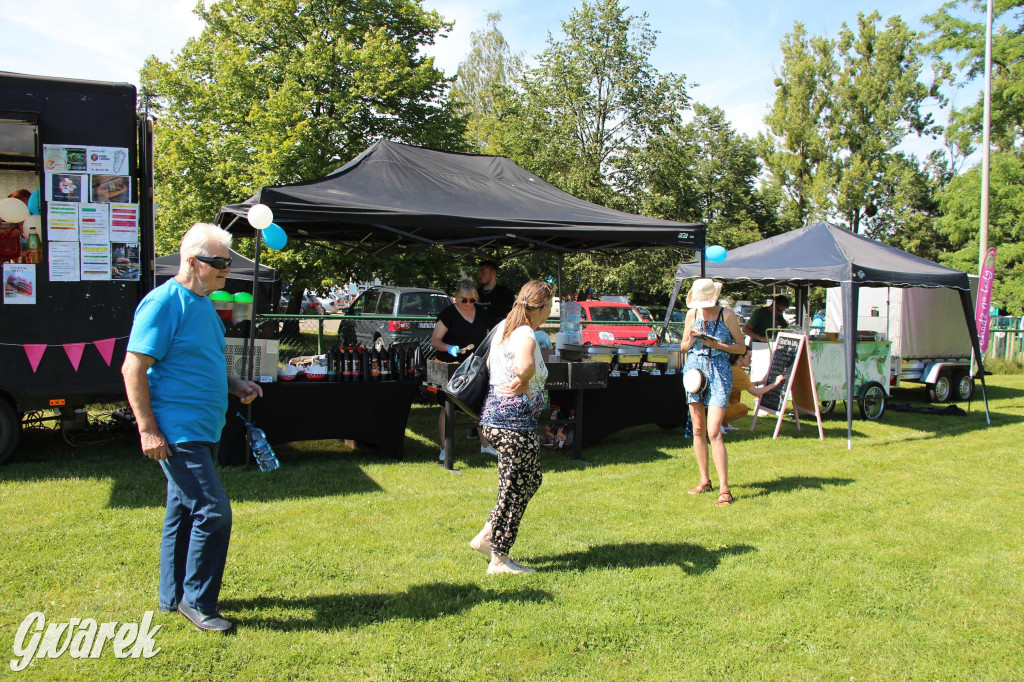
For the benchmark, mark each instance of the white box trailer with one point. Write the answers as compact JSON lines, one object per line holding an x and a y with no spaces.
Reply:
{"x":930,"y":341}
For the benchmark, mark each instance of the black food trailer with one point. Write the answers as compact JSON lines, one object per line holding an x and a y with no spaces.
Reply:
{"x":85,"y":256}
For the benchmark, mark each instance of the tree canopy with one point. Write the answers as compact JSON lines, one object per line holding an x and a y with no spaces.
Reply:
{"x":279,"y":91}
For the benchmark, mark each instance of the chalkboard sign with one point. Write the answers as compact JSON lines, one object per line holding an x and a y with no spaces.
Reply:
{"x":787,"y":349}
{"x":790,"y":359}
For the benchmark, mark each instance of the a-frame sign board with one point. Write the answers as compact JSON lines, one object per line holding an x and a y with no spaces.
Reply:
{"x":791,"y":358}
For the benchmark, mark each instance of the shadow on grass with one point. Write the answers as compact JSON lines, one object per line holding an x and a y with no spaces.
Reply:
{"x":693,"y":559}
{"x":337,"y":611}
{"x":788,"y":484}
{"x":310,"y":470}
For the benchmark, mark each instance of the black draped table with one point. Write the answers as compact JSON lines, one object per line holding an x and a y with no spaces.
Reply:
{"x":627,"y":401}
{"x":603,"y":404}
{"x":370,"y":412}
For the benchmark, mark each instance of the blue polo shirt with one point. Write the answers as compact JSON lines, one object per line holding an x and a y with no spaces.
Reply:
{"x":188,"y":383}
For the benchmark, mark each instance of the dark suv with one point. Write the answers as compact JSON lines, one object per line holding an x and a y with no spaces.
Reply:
{"x":392,"y":302}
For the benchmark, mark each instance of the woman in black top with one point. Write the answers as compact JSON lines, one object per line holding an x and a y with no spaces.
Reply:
{"x":460,"y":327}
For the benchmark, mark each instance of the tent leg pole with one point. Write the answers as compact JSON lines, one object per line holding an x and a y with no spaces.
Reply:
{"x":561,"y":296}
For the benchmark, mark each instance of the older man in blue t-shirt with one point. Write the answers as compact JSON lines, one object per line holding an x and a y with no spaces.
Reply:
{"x":176,"y":379}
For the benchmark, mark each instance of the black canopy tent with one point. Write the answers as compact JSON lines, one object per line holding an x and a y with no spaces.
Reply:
{"x":826,"y":255}
{"x":395,"y":196}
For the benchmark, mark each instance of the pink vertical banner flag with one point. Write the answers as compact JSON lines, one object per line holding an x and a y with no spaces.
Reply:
{"x":982,"y":320}
{"x":74,"y":352}
{"x":106,"y":349}
{"x":34,"y":351}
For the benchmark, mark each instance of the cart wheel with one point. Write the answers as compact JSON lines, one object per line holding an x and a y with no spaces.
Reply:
{"x":942,"y":389}
{"x":872,"y":401}
{"x":827,"y":406}
{"x":963,"y":385}
{"x":10,"y":430}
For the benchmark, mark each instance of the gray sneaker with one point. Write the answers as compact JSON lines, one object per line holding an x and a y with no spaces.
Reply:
{"x":211,"y":622}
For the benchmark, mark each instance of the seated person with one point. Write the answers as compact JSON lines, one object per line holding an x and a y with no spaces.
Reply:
{"x":741,"y":382}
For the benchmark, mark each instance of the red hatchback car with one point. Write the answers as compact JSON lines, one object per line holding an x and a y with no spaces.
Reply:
{"x":595,"y":312}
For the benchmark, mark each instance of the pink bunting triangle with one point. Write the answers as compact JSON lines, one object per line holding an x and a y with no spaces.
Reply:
{"x":34,"y":351}
{"x":106,"y":349}
{"x":74,"y":352}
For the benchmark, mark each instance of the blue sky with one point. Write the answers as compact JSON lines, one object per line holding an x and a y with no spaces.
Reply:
{"x":731,"y":49}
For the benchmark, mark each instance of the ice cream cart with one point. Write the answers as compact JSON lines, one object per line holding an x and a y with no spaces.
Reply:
{"x":870,"y":379}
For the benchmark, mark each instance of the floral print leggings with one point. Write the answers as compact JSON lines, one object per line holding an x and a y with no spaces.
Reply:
{"x":519,"y":478}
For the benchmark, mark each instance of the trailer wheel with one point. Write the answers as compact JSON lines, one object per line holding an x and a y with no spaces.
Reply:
{"x":963,"y":385}
{"x":872,"y":401}
{"x":10,"y":430}
{"x":942,"y":389}
{"x":827,"y":406}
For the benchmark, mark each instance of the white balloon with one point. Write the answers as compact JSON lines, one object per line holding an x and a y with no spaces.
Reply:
{"x":14,"y":210}
{"x":260,"y":216}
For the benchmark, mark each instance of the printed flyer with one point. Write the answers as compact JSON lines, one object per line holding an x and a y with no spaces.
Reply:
{"x":58,"y":158}
{"x":62,"y":221}
{"x":19,"y":283}
{"x":66,"y":187}
{"x":111,"y":189}
{"x":124,"y":222}
{"x":94,"y":223}
{"x":95,"y":261}
{"x":109,"y":160}
{"x":126,"y":265}
{"x":64,"y":262}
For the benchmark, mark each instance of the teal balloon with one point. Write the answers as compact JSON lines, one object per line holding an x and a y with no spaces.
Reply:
{"x":715,"y":254}
{"x":274,"y":237}
{"x":33,"y":203}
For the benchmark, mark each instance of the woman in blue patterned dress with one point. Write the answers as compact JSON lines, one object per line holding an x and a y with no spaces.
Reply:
{"x":710,"y":335}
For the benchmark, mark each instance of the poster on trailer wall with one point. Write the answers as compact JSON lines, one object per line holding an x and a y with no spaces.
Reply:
{"x":19,"y":283}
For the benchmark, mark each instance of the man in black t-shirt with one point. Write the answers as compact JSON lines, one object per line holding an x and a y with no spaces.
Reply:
{"x":495,"y":299}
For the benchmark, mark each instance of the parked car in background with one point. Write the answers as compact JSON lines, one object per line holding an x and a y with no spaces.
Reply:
{"x":595,"y":312}
{"x":743,"y":310}
{"x":332,"y":303}
{"x":395,"y":302}
{"x":311,"y":304}
{"x":674,"y":332}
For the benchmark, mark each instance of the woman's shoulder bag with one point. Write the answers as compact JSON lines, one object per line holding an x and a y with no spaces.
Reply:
{"x":467,"y":387}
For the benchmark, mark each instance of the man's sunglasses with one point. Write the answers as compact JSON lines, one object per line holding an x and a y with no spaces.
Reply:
{"x":218,"y":262}
{"x":467,"y":300}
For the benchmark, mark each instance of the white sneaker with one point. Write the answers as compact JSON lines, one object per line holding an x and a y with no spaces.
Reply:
{"x":488,"y":450}
{"x":509,"y":566}
{"x":440,"y":457}
{"x":729,"y":427}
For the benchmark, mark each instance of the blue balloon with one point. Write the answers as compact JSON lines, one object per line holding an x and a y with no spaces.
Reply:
{"x":274,"y":237}
{"x":715,"y":254}
{"x":33,"y":203}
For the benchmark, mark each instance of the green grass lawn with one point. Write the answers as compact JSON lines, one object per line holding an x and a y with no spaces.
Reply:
{"x":900,"y":559}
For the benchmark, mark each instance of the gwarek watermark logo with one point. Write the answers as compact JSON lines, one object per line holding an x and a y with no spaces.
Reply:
{"x":82,"y":638}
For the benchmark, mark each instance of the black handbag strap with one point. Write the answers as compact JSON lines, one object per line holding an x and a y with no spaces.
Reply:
{"x":485,"y":345}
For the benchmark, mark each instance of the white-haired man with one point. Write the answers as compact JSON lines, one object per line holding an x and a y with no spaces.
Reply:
{"x":177,"y":384}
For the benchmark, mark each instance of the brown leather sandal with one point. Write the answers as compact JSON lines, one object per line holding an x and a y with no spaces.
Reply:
{"x":724,"y":499}
{"x":704,"y":487}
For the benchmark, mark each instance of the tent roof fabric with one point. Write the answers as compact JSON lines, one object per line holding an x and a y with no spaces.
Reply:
{"x":397,"y":196}
{"x":241,"y":267}
{"x":826,"y":255}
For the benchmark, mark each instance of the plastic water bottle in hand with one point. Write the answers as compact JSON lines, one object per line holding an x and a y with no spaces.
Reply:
{"x":261,"y":450}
